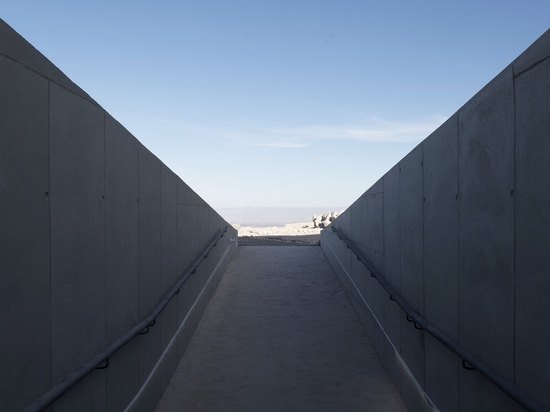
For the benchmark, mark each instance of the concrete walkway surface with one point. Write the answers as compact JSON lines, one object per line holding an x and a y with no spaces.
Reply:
{"x":280,"y":335}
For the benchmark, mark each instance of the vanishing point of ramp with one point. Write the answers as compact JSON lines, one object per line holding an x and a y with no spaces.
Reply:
{"x":280,"y":335}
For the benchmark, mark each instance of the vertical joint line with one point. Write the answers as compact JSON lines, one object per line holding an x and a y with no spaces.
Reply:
{"x":423,"y":234}
{"x":50,"y":221}
{"x":514,"y":221}
{"x":105,"y":200}
{"x":458,"y":231}
{"x":138,"y":229}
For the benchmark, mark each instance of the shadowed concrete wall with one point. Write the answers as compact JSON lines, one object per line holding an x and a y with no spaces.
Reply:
{"x":94,"y":231}
{"x":461,"y":228}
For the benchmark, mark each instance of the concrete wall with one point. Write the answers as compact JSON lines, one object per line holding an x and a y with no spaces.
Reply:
{"x":94,"y":230}
{"x":461,"y":228}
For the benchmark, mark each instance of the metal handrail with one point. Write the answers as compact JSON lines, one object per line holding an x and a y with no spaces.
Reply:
{"x":469,"y":361}
{"x":101,"y":360}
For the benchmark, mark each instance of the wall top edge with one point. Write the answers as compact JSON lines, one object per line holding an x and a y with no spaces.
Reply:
{"x":14,"y":47}
{"x":534,"y":54}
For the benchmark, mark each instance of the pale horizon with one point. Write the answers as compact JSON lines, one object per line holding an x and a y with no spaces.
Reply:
{"x":272,"y":216}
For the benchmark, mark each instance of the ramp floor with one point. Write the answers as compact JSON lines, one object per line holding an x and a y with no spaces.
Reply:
{"x":280,"y":335}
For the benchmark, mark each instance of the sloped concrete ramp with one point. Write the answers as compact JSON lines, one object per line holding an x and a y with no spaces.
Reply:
{"x":280,"y":335}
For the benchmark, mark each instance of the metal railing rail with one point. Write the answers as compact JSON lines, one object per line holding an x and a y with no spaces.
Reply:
{"x":469,"y":361}
{"x":101,"y":360}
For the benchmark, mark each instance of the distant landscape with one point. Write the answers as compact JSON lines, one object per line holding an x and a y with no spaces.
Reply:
{"x":272,"y":216}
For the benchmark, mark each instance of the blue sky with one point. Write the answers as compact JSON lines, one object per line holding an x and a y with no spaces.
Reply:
{"x":280,"y":103}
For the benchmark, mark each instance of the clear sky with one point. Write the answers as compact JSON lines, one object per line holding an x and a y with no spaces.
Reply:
{"x":293,"y":103}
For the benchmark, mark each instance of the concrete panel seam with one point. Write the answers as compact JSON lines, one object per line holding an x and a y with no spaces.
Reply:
{"x":88,"y":99}
{"x":458,"y":199}
{"x":105,"y":283}
{"x":50,"y":229}
{"x":514,"y":197}
{"x":528,"y":68}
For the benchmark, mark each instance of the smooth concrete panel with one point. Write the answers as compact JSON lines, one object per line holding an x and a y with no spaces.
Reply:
{"x":169,"y":252}
{"x":20,"y":50}
{"x":169,"y":233}
{"x":121,"y":377}
{"x":195,"y":231}
{"x":392,"y":228}
{"x":412,"y":261}
{"x":184,"y":236}
{"x":441,"y":227}
{"x":392,"y":272}
{"x":149,"y":231}
{"x":150,"y":292}
{"x":532,"y":280}
{"x":375,"y":230}
{"x":25,"y":342}
{"x":375,"y":223}
{"x":199,"y":233}
{"x":478,"y":394}
{"x":344,"y":255}
{"x":441,"y":260}
{"x":87,"y":396}
{"x":77,"y":230}
{"x":486,"y":229}
{"x":411,"y":226}
{"x":442,"y":372}
{"x":359,"y":233}
{"x":121,"y":229}
{"x":358,"y":213}
{"x":360,"y":276}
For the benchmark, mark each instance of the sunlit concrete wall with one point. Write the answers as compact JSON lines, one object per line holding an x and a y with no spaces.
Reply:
{"x":94,"y":231}
{"x":461,"y":228}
